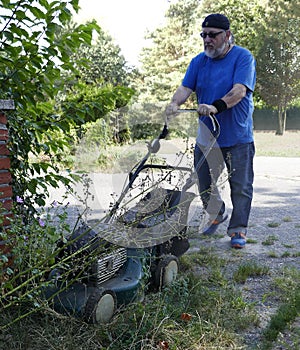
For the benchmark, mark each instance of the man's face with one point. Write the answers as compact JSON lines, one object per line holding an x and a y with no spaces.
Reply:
{"x":214,"y":46}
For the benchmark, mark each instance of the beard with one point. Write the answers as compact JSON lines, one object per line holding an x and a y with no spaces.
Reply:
{"x":213,"y":52}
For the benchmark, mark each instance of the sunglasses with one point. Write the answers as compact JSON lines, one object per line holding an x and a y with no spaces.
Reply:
{"x":211,"y":35}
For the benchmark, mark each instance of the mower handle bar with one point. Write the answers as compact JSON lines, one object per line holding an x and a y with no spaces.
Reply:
{"x":154,"y":147}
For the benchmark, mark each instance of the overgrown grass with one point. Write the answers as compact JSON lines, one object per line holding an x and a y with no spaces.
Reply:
{"x":270,"y":240}
{"x":288,"y":286}
{"x":199,"y":311}
{"x":203,"y":309}
{"x":249,"y":269}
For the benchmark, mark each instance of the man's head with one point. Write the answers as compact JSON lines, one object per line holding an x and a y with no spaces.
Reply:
{"x":216,"y":35}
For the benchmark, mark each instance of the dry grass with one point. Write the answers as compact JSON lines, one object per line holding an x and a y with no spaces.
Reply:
{"x":269,"y":144}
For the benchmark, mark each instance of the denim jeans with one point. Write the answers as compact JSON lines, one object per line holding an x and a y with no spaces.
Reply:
{"x":239,"y":163}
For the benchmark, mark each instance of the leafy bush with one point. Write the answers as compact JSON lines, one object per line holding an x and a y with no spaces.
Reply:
{"x":33,"y":250}
{"x":36,"y":51}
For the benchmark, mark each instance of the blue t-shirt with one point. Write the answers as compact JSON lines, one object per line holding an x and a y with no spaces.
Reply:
{"x":212,"y":79}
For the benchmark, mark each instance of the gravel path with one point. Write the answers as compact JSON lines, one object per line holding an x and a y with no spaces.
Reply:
{"x":274,"y":230}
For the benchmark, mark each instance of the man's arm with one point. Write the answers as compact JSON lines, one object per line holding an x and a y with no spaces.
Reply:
{"x":232,"y":98}
{"x":180,"y":96}
{"x":235,"y":95}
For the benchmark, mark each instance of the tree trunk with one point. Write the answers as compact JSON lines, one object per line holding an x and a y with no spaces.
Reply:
{"x":281,"y":121}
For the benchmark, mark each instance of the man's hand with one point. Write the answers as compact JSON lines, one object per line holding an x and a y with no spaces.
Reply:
{"x":181,"y":95}
{"x":204,"y":109}
{"x":171,"y":111}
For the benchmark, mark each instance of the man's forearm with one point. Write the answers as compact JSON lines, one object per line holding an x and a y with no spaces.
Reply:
{"x":235,"y":95}
{"x":232,"y":98}
{"x":181,"y":95}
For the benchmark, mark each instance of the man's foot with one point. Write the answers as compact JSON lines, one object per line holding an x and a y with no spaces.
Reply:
{"x":213,"y":225}
{"x":238,"y":240}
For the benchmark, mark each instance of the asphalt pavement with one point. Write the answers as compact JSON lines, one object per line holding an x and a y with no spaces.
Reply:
{"x":275,"y":207}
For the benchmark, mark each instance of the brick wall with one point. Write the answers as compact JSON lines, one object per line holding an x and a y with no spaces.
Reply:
{"x":5,"y":182}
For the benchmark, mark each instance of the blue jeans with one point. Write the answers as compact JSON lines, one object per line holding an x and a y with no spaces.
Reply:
{"x":239,"y":163}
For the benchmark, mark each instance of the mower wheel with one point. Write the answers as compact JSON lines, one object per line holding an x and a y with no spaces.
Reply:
{"x":166,"y":271}
{"x":100,"y":306}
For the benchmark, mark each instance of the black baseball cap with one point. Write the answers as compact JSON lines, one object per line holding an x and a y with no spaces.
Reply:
{"x":216,"y":20}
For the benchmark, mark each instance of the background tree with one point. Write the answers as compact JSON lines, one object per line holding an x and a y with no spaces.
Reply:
{"x":164,"y":62}
{"x":105,"y":81}
{"x":102,"y":61}
{"x":278,"y":61}
{"x":247,"y":19}
{"x":172,"y":46}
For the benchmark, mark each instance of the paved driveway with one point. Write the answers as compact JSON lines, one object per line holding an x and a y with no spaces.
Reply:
{"x":275,"y":207}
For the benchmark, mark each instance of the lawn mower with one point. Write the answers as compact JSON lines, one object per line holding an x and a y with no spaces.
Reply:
{"x":104,"y":264}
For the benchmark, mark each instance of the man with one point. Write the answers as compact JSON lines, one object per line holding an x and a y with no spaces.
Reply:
{"x":223,"y":77}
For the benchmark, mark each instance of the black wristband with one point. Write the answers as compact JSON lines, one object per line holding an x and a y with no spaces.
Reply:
{"x":220,"y":105}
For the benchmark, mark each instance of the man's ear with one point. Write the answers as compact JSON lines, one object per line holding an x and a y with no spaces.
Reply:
{"x":228,"y":35}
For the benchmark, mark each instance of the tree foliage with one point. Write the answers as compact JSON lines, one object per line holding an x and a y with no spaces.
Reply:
{"x":102,"y":61}
{"x":173,"y":45}
{"x":102,"y":84}
{"x":278,"y":60}
{"x":35,"y":50}
{"x":247,"y":20}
